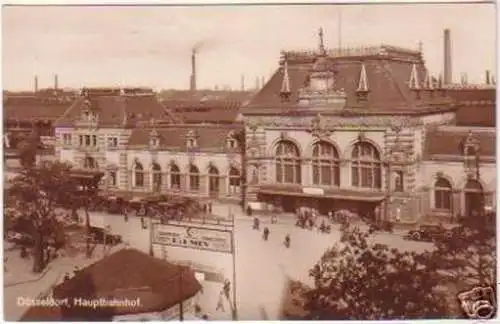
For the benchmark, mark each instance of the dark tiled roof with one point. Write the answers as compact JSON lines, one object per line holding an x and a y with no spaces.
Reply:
{"x":388,"y":82}
{"x":210,"y":111}
{"x":120,"y":110}
{"x":129,"y":274}
{"x":186,"y":95}
{"x":209,"y":137}
{"x":476,"y":107}
{"x":33,"y":108}
{"x":449,"y":141}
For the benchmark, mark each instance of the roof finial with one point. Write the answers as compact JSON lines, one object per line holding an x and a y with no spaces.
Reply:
{"x":321,"y":42}
{"x":414,"y":82}
{"x":285,"y":85}
{"x":363,"y":82}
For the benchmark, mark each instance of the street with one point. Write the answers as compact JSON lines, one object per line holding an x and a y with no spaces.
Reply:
{"x":262,"y":267}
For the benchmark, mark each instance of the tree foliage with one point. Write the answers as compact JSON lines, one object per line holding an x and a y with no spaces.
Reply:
{"x":361,"y":280}
{"x":36,"y":193}
{"x":468,"y":255}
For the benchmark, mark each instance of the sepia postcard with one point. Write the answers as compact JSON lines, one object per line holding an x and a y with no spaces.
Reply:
{"x":225,"y":162}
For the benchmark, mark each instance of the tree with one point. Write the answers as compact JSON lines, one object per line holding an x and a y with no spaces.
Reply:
{"x":468,"y":255}
{"x":27,"y":153}
{"x":361,"y":280}
{"x":36,"y":193}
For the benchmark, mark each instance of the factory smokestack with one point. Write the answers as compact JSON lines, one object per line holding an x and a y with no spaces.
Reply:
{"x":56,"y":85}
{"x":242,"y":82}
{"x":488,"y":77}
{"x":36,"y":84}
{"x":192,"y":86}
{"x":447,"y":57}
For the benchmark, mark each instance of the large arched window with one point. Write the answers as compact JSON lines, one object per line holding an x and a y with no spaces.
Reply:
{"x":234,"y":181}
{"x":442,"y":194}
{"x":138,"y":175}
{"x":366,"y":166}
{"x":213,"y":180}
{"x":287,"y":163}
{"x":325,"y":164}
{"x":175,"y":177}
{"x":194,"y":178}
{"x":157,"y":177}
{"x":474,"y":197}
{"x":89,"y":163}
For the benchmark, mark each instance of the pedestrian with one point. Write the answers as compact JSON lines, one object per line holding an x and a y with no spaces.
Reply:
{"x":330,"y":215}
{"x":210,"y":208}
{"x":274,"y":219}
{"x":227,"y":288}
{"x":205,"y":208}
{"x":287,"y":241}
{"x":249,"y":210}
{"x":256,"y":223}
{"x":265,"y":235}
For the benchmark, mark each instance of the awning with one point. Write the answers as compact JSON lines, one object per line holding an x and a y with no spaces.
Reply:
{"x":340,"y":194}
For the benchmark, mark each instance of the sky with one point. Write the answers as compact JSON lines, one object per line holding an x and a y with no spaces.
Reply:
{"x":151,"y":46}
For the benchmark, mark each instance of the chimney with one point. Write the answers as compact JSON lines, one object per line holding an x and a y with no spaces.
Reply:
{"x":262,"y":81}
{"x":36,"y":83}
{"x":488,"y":77}
{"x":242,"y":82}
{"x":55,"y":82}
{"x":447,"y":57}
{"x":193,"y":71}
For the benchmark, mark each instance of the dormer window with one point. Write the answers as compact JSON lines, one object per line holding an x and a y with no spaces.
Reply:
{"x":154,"y":142}
{"x":191,"y":139}
{"x":231,"y":142}
{"x":88,"y":114}
{"x":154,"y":138}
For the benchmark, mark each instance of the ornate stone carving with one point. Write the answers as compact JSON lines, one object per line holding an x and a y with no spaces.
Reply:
{"x":318,"y":127}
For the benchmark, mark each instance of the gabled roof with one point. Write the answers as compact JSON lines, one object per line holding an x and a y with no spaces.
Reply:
{"x":448,"y":140}
{"x":174,"y":137}
{"x":128,"y":274}
{"x":120,"y":110}
{"x":387,"y":74}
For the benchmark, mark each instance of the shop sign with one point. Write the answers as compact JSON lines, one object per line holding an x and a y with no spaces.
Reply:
{"x":313,"y":191}
{"x":193,"y":237}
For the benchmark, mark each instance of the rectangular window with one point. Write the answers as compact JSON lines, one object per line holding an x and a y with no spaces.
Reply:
{"x":94,"y":140}
{"x":67,"y":139}
{"x":80,"y":140}
{"x":355,"y":176}
{"x":112,"y":141}
{"x":112,"y":179}
{"x":87,"y":140}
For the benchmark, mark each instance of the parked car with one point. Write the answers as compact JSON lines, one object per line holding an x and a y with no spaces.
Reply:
{"x":100,"y":235}
{"x":428,"y":233}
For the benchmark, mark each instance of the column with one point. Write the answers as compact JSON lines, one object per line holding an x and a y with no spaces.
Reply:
{"x":204,"y":185}
{"x":345,"y":174}
{"x":306,"y":172}
{"x":222,"y":186}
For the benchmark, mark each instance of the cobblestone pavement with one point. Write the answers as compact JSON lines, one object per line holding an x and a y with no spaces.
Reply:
{"x":262,"y":267}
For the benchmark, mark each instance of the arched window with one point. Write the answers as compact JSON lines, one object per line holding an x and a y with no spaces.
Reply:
{"x":325,"y":164}
{"x":89,"y":163}
{"x":157,"y":177}
{"x":234,"y":181}
{"x":442,"y":194}
{"x":213,"y":180}
{"x":474,"y":197}
{"x":287,"y":163}
{"x":175,"y":177}
{"x":139,"y":175}
{"x":366,"y":166}
{"x":194,"y":178}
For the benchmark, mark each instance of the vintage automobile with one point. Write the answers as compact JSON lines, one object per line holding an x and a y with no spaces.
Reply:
{"x":428,"y":233}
